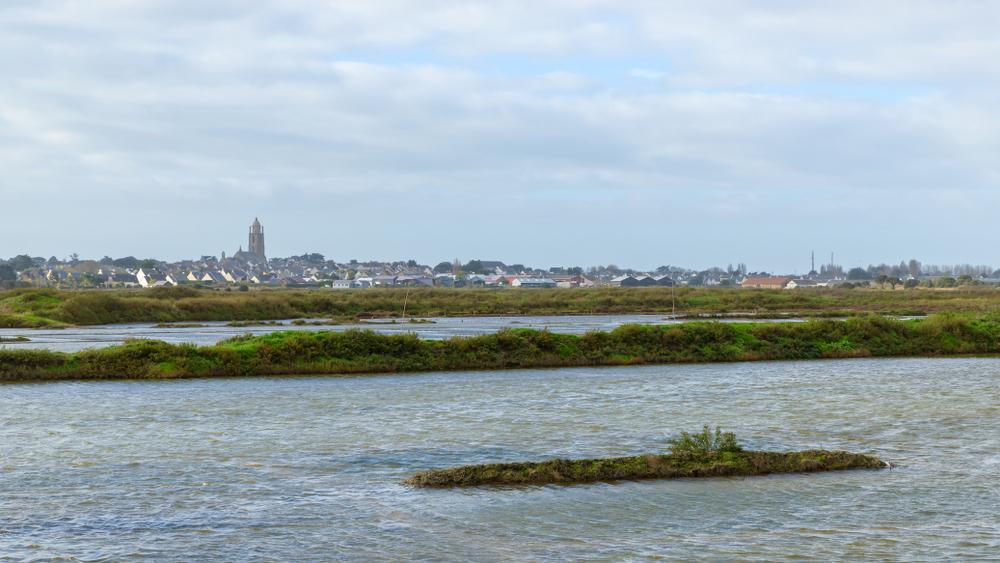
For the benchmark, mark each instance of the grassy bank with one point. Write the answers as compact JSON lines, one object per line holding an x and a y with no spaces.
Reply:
{"x":650,"y":466}
{"x":39,"y":308}
{"x":359,"y":351}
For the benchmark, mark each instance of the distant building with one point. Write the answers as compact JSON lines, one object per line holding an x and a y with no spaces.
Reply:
{"x":257,"y":240}
{"x":345,"y":284}
{"x":624,"y":281}
{"x":766,"y":282}
{"x":533,"y":282}
{"x":151,"y":278}
{"x":803,"y":283}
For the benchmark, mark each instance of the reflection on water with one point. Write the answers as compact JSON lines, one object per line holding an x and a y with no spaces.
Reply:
{"x":79,"y":338}
{"x":310,"y":468}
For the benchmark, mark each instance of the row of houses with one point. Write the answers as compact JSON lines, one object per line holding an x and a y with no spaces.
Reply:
{"x":784,"y":282}
{"x":449,"y":280}
{"x":642,"y":281}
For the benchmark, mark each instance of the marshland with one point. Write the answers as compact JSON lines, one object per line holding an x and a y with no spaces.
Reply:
{"x":360,"y":351}
{"x":26,"y":308}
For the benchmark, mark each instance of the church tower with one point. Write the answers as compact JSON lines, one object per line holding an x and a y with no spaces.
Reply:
{"x":257,"y":240}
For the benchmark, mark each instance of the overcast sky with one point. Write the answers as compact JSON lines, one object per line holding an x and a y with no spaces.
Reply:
{"x":543,"y":132}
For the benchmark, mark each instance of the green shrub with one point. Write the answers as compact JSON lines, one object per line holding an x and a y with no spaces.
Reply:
{"x":704,"y":444}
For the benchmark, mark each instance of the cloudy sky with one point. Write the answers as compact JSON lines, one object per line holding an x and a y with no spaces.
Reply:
{"x":544,"y":132}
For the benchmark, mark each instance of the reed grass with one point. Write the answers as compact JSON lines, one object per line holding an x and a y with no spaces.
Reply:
{"x":361,"y":351}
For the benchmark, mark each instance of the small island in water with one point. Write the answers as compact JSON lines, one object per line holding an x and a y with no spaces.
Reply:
{"x":704,"y":454}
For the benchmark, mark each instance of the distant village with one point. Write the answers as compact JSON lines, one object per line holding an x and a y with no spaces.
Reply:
{"x":252,"y":268}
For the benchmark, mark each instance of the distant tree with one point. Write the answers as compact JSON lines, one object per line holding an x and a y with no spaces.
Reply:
{"x":946,"y":281}
{"x":913,"y":267}
{"x":442,"y":268}
{"x":88,"y":266}
{"x":92,"y":280}
{"x":575,"y":271}
{"x":893,"y":282}
{"x":21,"y":262}
{"x":107,"y":260}
{"x":148,"y":264}
{"x":697,"y":279}
{"x":8,"y":277}
{"x":411,"y":263}
{"x":52,"y":261}
{"x":831,"y":271}
{"x":474,"y":267}
{"x":965,"y":280}
{"x":127,"y":262}
{"x":74,"y":259}
{"x":911,"y":283}
{"x":518,"y":268}
{"x":310,"y":258}
{"x":881,"y":280}
{"x":855,"y":274}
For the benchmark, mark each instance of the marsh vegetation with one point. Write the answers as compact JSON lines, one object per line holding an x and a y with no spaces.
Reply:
{"x":360,"y":351}
{"x":703,"y":454}
{"x":25,"y":308}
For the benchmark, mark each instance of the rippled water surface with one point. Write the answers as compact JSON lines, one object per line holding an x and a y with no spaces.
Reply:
{"x":298,"y":469}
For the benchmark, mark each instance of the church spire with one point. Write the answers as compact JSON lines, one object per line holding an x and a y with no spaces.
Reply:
{"x":257,"y":240}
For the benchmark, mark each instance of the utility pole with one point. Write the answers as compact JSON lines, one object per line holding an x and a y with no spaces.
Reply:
{"x":673,"y":302}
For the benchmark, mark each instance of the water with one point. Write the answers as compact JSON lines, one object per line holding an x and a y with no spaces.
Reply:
{"x":300,"y":469}
{"x":80,"y":338}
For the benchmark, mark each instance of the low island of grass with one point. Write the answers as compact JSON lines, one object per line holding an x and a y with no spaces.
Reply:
{"x":360,"y":351}
{"x":700,"y":455}
{"x":13,"y":339}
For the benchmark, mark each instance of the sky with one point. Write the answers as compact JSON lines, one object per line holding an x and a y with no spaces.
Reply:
{"x":558,"y":132}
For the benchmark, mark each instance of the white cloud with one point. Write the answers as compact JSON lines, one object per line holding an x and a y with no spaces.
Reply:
{"x":646,"y":112}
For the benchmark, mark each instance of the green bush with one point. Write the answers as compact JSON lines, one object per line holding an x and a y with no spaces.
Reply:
{"x":704,"y":444}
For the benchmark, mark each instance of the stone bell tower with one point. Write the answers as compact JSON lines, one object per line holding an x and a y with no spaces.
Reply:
{"x":257,"y":240}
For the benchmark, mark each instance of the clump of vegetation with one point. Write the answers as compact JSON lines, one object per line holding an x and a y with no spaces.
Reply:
{"x":650,"y":466}
{"x":704,"y":444}
{"x":13,"y":339}
{"x":359,"y":351}
{"x":244,"y":324}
